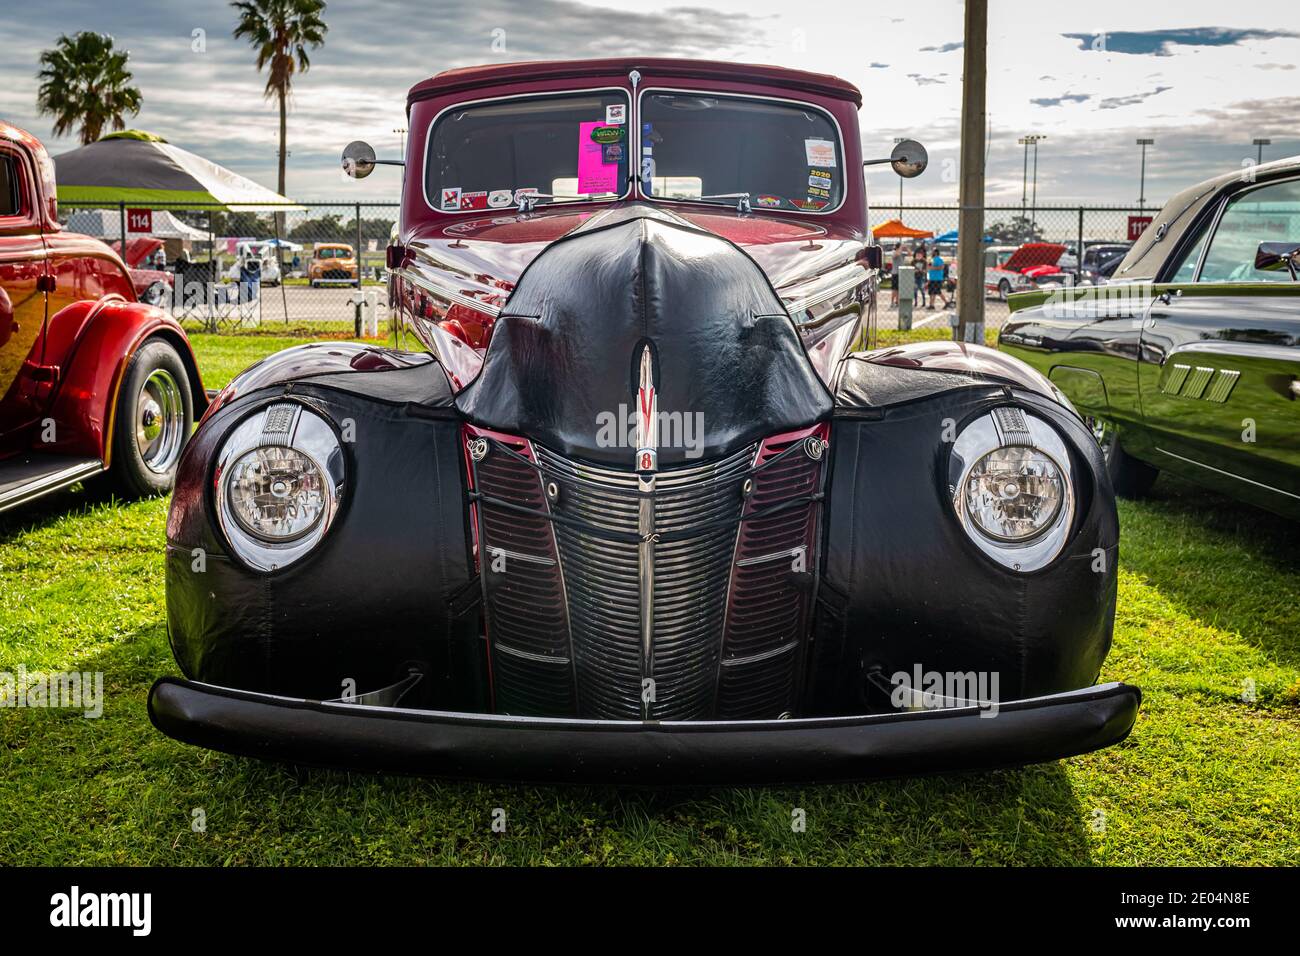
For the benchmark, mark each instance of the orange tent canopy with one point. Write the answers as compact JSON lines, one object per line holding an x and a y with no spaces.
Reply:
{"x":894,"y":229}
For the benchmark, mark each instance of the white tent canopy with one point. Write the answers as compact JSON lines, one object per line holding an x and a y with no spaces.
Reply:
{"x":107,"y":224}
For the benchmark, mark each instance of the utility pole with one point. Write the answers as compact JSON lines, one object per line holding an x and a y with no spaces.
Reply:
{"x":1142,"y":183}
{"x":1260,"y":144}
{"x":970,"y":224}
{"x":401,"y":131}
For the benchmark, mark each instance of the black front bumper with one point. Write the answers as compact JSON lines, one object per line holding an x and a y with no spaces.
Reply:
{"x":532,"y":749}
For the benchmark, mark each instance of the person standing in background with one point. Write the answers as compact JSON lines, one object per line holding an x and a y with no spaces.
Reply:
{"x":896,"y":260}
{"x":935,"y":275}
{"x":918,"y":267}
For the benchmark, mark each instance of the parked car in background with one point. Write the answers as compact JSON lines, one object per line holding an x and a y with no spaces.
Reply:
{"x":1032,"y":265}
{"x":152,"y":284}
{"x":265,"y":255}
{"x":1189,"y":360}
{"x":91,"y":379}
{"x":332,"y":262}
{"x":647,"y":513}
{"x":1096,"y":255}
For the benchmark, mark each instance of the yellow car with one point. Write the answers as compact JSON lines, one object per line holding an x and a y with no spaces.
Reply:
{"x":336,"y":262}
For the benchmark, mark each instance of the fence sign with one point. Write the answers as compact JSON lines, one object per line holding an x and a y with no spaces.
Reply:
{"x":1137,"y":225}
{"x":139,"y":220}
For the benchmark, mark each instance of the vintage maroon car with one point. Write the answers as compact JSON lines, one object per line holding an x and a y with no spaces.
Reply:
{"x":638,"y":511}
{"x":90,"y":378}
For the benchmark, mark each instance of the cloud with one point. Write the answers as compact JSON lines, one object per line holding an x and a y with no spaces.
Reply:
{"x":1161,"y":42}
{"x":927,"y":80}
{"x":1275,"y":66}
{"x":1115,"y":102}
{"x":945,"y":48}
{"x":1063,"y":98}
{"x":878,"y":66}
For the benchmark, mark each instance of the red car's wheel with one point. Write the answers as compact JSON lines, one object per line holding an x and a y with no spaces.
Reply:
{"x":154,"y":418}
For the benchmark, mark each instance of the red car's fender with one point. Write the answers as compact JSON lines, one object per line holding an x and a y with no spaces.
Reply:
{"x":91,"y":343}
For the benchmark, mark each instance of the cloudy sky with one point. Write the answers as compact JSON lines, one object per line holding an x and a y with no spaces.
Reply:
{"x":1201,"y":78}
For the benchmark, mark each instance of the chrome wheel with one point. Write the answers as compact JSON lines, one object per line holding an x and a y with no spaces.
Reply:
{"x":160,"y":422}
{"x":1104,"y":432}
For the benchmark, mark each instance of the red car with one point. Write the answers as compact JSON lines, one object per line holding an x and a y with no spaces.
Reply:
{"x":1023,"y":268}
{"x":153,"y":286}
{"x":646,"y":513}
{"x":91,"y":379}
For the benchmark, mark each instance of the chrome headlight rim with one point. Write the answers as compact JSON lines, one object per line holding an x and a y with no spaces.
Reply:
{"x":1012,"y":426}
{"x":300,"y":427}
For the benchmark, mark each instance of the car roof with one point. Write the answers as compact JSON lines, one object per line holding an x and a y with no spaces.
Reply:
{"x":476,"y":77}
{"x":1148,"y":254}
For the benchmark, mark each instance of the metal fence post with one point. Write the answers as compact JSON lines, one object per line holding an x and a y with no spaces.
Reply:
{"x":1078,"y":265}
{"x":121,"y":221}
{"x":359,"y":250}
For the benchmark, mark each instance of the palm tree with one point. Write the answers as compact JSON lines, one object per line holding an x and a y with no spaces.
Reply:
{"x":281,"y":31}
{"x":85,"y":83}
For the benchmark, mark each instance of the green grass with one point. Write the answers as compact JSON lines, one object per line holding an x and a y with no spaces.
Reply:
{"x":1209,"y":597}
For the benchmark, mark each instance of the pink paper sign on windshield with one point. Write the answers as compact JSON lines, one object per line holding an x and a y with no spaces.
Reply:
{"x":594,"y":174}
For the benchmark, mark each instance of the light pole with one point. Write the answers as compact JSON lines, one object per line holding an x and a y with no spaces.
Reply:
{"x":401,"y":131}
{"x":1142,"y":183}
{"x":1260,"y":144}
{"x":1026,"y":141}
{"x":897,"y":140}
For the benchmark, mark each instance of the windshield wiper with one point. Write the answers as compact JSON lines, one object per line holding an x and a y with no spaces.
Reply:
{"x":742,"y":200}
{"x":528,"y":200}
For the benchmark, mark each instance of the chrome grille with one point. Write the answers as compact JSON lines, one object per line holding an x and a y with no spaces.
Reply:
{"x":697,"y":511}
{"x":771,"y":586}
{"x":524,"y":598}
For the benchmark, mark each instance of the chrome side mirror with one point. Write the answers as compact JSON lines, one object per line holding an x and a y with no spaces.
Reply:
{"x":908,"y":159}
{"x":1275,"y":256}
{"x":358,"y":159}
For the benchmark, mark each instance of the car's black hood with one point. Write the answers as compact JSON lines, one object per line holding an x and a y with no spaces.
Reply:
{"x":565,"y":351}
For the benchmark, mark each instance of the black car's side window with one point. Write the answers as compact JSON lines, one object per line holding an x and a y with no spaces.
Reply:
{"x":1186,"y":271}
{"x":1266,"y":214}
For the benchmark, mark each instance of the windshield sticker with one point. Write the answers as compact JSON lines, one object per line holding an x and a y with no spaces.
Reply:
{"x":613,"y":153}
{"x":814,"y":191}
{"x":820,"y":152}
{"x":499,"y":198}
{"x":525,"y":191}
{"x":616,"y":114}
{"x":451,"y":198}
{"x":474,"y":200}
{"x":810,"y":204}
{"x":594,"y":174}
{"x":607,"y":134}
{"x":765,"y":200}
{"x":817,"y":177}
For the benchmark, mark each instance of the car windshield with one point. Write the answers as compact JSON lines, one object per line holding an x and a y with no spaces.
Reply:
{"x":716,"y":149}
{"x":557,"y":147}
{"x":332,"y":253}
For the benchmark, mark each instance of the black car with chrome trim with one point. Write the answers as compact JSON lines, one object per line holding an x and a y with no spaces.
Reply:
{"x":641,"y":510}
{"x":1189,"y":360}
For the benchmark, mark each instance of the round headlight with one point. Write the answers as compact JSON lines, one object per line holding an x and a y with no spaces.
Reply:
{"x":276,"y":493}
{"x":1014,"y":493}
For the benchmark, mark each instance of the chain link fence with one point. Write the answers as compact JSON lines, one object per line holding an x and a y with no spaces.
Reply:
{"x":1102,"y":232}
{"x":320,"y":267}
{"x":309,"y":268}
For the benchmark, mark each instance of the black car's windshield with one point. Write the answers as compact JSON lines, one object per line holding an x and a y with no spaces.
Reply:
{"x":565,"y":146}
{"x":716,"y":149}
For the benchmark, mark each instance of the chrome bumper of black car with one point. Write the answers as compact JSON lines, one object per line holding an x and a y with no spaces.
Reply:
{"x":532,"y":749}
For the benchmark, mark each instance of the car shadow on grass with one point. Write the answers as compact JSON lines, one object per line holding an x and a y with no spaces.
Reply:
{"x":1224,"y":562}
